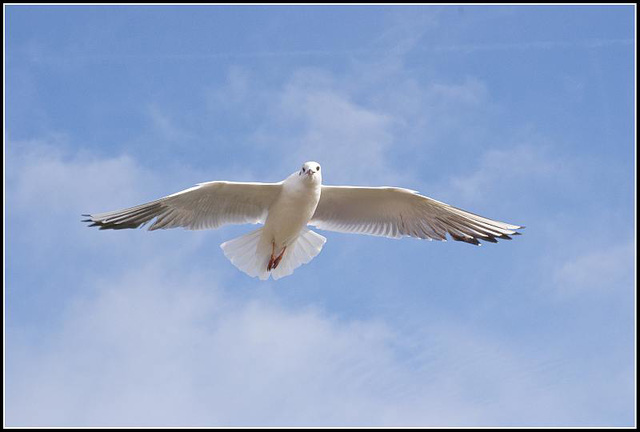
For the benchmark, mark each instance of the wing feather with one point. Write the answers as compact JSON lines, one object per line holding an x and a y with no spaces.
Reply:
{"x":397,"y":212}
{"x":205,"y":206}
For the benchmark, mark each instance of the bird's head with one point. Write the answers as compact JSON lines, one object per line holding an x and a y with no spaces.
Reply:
{"x":310,"y":171}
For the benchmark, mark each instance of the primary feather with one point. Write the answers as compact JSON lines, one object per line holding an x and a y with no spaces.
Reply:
{"x":397,"y":212}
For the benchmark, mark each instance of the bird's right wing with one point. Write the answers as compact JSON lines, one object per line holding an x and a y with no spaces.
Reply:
{"x":397,"y":212}
{"x":207,"y":205}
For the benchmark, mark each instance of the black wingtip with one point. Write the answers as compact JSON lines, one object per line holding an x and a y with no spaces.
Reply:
{"x":469,"y":240}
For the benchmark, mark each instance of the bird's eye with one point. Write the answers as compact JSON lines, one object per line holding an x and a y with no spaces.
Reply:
{"x":318,"y":168}
{"x":303,"y":169}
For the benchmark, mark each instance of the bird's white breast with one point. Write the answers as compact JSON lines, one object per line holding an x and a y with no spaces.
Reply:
{"x":291,"y":211}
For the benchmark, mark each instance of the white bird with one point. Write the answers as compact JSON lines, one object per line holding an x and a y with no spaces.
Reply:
{"x":288,"y":207}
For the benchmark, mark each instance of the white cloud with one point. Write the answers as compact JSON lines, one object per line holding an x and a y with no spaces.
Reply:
{"x":374,"y":125}
{"x":599,"y":271}
{"x":315,"y":118}
{"x":351,"y":140}
{"x":156,"y":348}
{"x":165,"y":127}
{"x":42,"y":174}
{"x":160,"y":346}
{"x":499,"y":170}
{"x":353,"y":125}
{"x":237,"y":90}
{"x":49,"y":188}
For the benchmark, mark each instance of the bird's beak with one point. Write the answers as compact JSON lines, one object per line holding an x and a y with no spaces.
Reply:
{"x":310,"y":172}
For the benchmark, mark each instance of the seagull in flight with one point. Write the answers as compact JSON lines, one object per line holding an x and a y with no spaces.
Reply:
{"x":288,"y":207}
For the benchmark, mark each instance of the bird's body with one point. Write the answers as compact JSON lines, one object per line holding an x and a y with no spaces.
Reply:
{"x":301,"y":195}
{"x":288,"y":207}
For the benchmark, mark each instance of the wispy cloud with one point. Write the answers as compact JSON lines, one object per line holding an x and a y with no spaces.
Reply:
{"x":314,"y":117}
{"x":500,"y":168}
{"x":44,"y":174}
{"x":597,"y":272}
{"x":165,"y":127}
{"x":160,"y":347}
{"x":352,"y":140}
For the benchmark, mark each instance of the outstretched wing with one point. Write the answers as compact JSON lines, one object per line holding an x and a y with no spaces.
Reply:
{"x":398,"y":212}
{"x":207,"y":205}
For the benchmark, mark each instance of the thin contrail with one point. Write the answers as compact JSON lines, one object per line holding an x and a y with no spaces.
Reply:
{"x":536,"y":45}
{"x":457,"y":48}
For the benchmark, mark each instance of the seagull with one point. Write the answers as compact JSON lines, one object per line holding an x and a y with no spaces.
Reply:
{"x":288,"y":207}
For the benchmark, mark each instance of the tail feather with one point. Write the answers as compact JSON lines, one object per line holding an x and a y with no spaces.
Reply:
{"x":305,"y":248}
{"x":251,"y":255}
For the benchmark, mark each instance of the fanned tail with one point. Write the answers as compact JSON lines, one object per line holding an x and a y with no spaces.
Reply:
{"x":251,"y":255}
{"x":301,"y":251}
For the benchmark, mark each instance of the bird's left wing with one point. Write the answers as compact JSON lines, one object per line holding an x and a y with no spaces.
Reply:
{"x":397,"y":212}
{"x":207,"y":205}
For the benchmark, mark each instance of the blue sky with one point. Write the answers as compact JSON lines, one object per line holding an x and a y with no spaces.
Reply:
{"x":522,"y":114}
